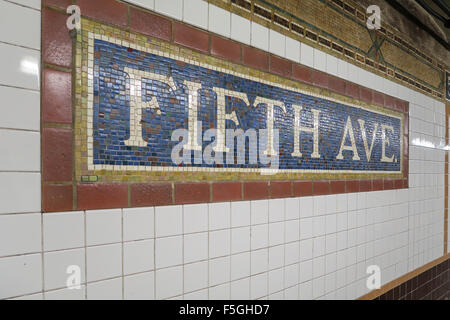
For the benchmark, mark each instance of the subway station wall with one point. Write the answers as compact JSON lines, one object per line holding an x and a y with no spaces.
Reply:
{"x":275,"y":238}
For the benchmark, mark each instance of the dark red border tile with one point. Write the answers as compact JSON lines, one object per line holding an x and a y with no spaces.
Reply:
{"x":151,"y":194}
{"x":226,"y":191}
{"x":57,"y":198}
{"x":56,"y":40}
{"x":102,"y":196}
{"x":378,"y":98}
{"x":320,"y":79}
{"x":280,"y":189}
{"x":365,"y":94}
{"x":57,"y":154}
{"x":108,"y":11}
{"x":255,"y":58}
{"x":352,"y":90}
{"x":377,"y":185}
{"x":225,"y":48}
{"x":337,"y":85}
{"x":351,"y":186}
{"x":191,"y":37}
{"x":302,"y":73}
{"x":56,"y":96}
{"x":365,"y":185}
{"x":150,"y":24}
{"x":254,"y":190}
{"x":321,"y":187}
{"x":280,"y":66}
{"x":302,"y":188}
{"x":186,"y":193}
{"x":388,"y":184}
{"x":389,"y":102}
{"x":337,"y":187}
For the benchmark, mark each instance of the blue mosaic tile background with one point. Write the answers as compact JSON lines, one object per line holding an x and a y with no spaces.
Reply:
{"x":111,"y":116}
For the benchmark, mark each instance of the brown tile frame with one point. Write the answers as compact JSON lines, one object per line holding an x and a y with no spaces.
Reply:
{"x":62,"y":194}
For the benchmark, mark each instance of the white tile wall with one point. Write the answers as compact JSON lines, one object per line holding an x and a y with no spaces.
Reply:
{"x":312,"y":247}
{"x":22,"y":31}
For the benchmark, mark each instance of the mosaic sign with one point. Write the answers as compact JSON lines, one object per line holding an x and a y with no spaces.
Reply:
{"x":158,"y":112}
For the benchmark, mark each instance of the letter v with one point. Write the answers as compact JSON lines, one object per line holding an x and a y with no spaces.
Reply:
{"x":364,"y":137}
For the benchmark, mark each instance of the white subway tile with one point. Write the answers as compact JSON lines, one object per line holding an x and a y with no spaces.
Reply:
{"x":306,"y":207}
{"x":240,"y":214}
{"x":168,"y":221}
{"x":21,"y":109}
{"x":140,"y":286}
{"x":277,"y":43}
{"x":219,"y":243}
{"x":240,"y":289}
{"x":35,"y":4}
{"x":259,"y":236}
{"x":258,"y":286}
{"x":20,"y":233}
{"x":105,"y":290}
{"x":195,"y":247}
{"x":240,"y":239}
{"x":37,"y":296}
{"x":259,"y":211}
{"x":21,"y":192}
{"x":66,"y":294}
{"x":292,"y":229}
{"x":25,"y":31}
{"x":59,"y":265}
{"x":20,"y":275}
{"x":20,"y":67}
{"x":63,"y":230}
{"x":332,"y":65}
{"x":320,"y":60}
{"x":259,"y":36}
{"x":103,"y":226}
{"x":307,"y":55}
{"x":219,"y":21}
{"x":276,"y":257}
{"x":21,"y":150}
{"x":306,"y":249}
{"x":138,"y":223}
{"x":292,"y":49}
{"x":220,"y":292}
{"x":104,"y":262}
{"x":138,"y":256}
{"x":169,"y":282}
{"x":219,"y":215}
{"x":240,"y":265}
{"x":292,"y":208}
{"x":275,"y":281}
{"x":195,"y":276}
{"x":195,"y":12}
{"x":172,"y":8}
{"x":219,"y":271}
{"x":240,"y":29}
{"x":168,"y":252}
{"x":197,"y":295}
{"x":276,"y":233}
{"x":276,"y":210}
{"x":259,"y":261}
{"x":195,"y":218}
